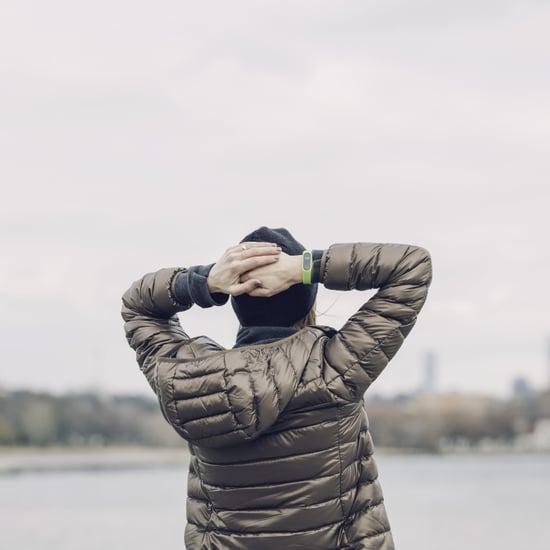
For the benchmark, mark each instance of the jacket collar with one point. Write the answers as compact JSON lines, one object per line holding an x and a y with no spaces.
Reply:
{"x":248,"y":336}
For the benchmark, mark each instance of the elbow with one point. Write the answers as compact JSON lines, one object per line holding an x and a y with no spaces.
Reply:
{"x":128,"y":303}
{"x":422,"y":266}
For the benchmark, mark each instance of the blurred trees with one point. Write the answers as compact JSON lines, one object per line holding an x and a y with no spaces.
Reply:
{"x":427,"y":422}
{"x":432,"y":422}
{"x":28,"y":418}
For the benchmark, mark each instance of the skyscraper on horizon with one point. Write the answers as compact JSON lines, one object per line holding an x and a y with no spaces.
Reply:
{"x":428,"y":384}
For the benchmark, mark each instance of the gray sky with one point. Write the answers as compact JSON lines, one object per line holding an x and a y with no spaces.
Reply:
{"x":139,"y":135}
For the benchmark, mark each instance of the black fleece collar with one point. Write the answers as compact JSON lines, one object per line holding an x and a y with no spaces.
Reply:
{"x":248,"y":336}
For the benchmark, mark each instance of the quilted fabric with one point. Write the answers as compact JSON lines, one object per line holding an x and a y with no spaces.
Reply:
{"x":281,"y":455}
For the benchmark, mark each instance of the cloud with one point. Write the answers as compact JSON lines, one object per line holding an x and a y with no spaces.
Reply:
{"x":139,"y":136}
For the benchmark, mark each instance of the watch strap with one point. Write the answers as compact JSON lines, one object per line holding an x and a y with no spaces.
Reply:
{"x":307,"y":267}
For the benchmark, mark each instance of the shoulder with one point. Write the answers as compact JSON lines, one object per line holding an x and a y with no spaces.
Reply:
{"x":195,"y":348}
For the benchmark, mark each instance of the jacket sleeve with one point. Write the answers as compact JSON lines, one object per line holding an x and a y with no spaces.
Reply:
{"x":359,"y":351}
{"x":151,"y":326}
{"x":207,"y":400}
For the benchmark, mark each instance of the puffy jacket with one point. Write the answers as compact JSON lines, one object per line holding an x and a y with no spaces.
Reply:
{"x":280,"y":451}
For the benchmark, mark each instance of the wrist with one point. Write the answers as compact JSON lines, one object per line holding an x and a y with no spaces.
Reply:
{"x":296,"y":271}
{"x":192,"y":286}
{"x":213,"y":288}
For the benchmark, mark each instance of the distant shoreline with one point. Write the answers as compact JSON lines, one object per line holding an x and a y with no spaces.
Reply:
{"x":21,"y":460}
{"x":15,"y":460}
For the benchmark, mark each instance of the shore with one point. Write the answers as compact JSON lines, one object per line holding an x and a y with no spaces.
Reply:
{"x":14,"y":460}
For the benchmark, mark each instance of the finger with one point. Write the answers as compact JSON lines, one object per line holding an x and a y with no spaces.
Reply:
{"x":240,"y":255}
{"x":260,"y":292}
{"x":255,"y":262}
{"x":254,"y":274}
{"x":251,"y":244}
{"x":259,"y":251}
{"x":245,"y":288}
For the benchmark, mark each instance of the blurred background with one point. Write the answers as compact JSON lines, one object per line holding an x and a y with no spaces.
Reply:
{"x":140,"y":135}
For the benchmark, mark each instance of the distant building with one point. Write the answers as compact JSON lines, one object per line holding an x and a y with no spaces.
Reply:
{"x":521,"y":387}
{"x":428,"y":384}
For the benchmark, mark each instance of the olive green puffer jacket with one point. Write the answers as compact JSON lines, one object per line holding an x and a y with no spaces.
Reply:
{"x":281,"y":456}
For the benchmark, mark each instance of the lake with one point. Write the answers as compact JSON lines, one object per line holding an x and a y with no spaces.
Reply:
{"x":434,"y":503}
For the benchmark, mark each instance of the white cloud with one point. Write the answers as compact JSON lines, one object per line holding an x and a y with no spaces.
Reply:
{"x":136,"y":137}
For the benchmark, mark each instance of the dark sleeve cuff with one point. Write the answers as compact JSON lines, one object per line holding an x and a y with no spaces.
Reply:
{"x":191,"y":287}
{"x":317,"y":257}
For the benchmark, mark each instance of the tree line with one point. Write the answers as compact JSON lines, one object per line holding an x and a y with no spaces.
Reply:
{"x":429,"y":422}
{"x":33,"y":418}
{"x":420,"y":422}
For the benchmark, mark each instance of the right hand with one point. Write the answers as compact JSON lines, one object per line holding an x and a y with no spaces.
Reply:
{"x":275,"y":277}
{"x":225,"y":275}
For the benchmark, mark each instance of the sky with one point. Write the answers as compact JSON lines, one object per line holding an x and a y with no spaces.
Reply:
{"x":140,"y":135}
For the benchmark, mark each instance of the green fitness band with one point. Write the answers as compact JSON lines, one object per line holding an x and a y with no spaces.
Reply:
{"x":307,"y":266}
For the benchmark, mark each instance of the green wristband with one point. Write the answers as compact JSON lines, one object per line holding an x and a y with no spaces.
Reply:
{"x":307,"y":266}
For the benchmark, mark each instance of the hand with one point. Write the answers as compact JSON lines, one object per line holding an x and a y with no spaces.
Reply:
{"x":225,"y":275}
{"x":275,"y":277}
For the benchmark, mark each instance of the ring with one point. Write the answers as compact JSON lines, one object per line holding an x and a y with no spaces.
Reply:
{"x":243,"y":246}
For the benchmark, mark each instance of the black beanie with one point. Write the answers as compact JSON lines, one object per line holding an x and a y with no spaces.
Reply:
{"x":283,"y":309}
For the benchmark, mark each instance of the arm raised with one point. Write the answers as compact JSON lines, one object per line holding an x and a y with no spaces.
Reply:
{"x":150,"y":305}
{"x":359,"y":351}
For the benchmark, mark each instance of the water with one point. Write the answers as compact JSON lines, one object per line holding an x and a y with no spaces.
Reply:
{"x":434,"y":503}
{"x":468,"y":503}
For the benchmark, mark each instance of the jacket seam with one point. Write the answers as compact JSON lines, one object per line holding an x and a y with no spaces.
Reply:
{"x":301,"y":531}
{"x":256,"y":533}
{"x":213,"y":436}
{"x":201,"y":396}
{"x":267,"y":508}
{"x":277,"y":484}
{"x":208,"y":502}
{"x":277,"y":391}
{"x":171,"y":408}
{"x":353,"y":258}
{"x":340,"y":471}
{"x":262,"y":461}
{"x":290,"y":363}
{"x":240,"y":426}
{"x":197,"y":376}
{"x":171,"y":404}
{"x":255,"y":409}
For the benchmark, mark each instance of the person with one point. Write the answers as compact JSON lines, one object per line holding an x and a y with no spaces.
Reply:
{"x":280,"y":451}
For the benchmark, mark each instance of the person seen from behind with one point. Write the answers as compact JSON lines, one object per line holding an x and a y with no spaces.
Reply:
{"x":280,"y":451}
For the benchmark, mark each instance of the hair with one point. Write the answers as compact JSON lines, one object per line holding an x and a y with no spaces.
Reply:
{"x":309,"y":319}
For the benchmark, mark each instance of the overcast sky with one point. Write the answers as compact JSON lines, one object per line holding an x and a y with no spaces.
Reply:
{"x":138,"y":135}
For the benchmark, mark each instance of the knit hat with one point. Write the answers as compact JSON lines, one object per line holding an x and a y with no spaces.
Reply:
{"x":283,"y":309}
